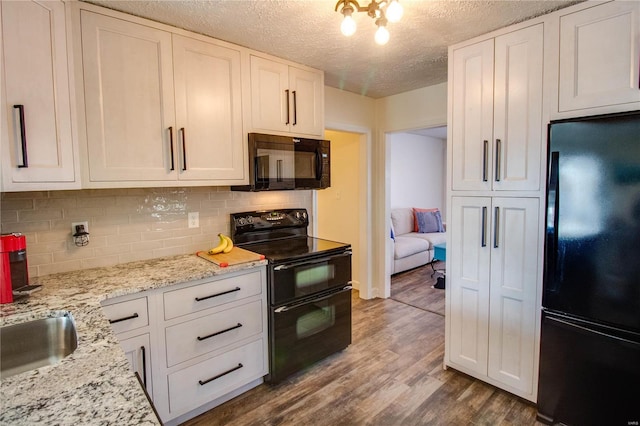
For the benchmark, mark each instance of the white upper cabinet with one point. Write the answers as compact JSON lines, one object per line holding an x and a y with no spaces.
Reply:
{"x":286,"y":99}
{"x":37,"y":145}
{"x":161,"y":108}
{"x":129,"y":101}
{"x":497,"y":112}
{"x":600,"y":57}
{"x":208,"y":110}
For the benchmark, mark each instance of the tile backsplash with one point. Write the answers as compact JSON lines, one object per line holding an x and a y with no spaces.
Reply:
{"x":127,"y":224}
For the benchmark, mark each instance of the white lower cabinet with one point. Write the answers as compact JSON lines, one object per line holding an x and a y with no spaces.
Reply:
{"x":492,"y":281}
{"x":195,"y":345}
{"x":129,"y":319}
{"x":138,"y":351}
{"x":207,"y":380}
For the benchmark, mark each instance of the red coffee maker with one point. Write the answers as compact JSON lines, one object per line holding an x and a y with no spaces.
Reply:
{"x":13,"y":265}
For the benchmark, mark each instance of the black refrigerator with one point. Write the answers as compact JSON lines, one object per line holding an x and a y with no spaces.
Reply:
{"x":590,"y":332}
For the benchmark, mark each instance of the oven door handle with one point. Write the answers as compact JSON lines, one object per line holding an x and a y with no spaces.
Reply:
{"x":310,"y":262}
{"x":305,"y":302}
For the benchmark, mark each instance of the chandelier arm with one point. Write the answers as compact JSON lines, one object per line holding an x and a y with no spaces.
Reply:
{"x":346,"y":3}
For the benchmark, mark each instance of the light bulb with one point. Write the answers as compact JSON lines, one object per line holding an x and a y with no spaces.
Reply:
{"x":394,"y":11}
{"x":348,"y":26}
{"x":382,"y":35}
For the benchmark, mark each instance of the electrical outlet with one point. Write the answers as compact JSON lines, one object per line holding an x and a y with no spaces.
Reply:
{"x":80,"y":227}
{"x":74,"y":229}
{"x":194,"y":219}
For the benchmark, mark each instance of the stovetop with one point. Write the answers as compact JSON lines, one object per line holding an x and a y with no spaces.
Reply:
{"x":280,"y":235}
{"x":288,"y":249}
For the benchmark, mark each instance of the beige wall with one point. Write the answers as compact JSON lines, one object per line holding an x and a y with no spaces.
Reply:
{"x":417,"y":109}
{"x":127,"y":224}
{"x":344,"y":109}
{"x":338,"y":206}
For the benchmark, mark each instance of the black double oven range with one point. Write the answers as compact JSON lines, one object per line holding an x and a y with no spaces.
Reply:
{"x":309,"y":287}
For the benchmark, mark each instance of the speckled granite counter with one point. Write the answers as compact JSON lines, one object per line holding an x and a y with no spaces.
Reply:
{"x":93,"y":385}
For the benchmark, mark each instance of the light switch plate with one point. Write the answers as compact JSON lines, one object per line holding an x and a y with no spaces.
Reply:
{"x":194,"y":219}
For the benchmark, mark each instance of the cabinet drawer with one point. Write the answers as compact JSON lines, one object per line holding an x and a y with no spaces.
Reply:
{"x":196,"y":337}
{"x":129,"y":315}
{"x":215,"y":377}
{"x":210,"y":294}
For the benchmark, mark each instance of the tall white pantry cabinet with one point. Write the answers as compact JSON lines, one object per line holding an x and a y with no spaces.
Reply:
{"x":504,"y":88}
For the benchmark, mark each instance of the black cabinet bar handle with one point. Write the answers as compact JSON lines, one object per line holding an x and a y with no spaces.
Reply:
{"x":496,"y":224}
{"x":485,"y":160}
{"x":204,"y":382}
{"x":498,"y":148}
{"x":219,"y":332}
{"x":287,"y":95}
{"x":484,"y":228}
{"x":171,"y":148}
{"x":295,"y":109}
{"x":199,"y":299}
{"x":23,"y":136}
{"x":144,"y":365}
{"x":184,"y":150}
{"x":135,"y":315}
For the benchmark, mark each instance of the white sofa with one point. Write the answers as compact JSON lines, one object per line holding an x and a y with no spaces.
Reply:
{"x":410,"y":249}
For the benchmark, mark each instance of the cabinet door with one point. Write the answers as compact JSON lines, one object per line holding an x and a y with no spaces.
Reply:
{"x":138,"y":352}
{"x":270,"y":104}
{"x":129,"y":100}
{"x":468,"y":276}
{"x":472,"y":126}
{"x":307,"y":101}
{"x":517,"y":132}
{"x":208,"y":110}
{"x":599,"y":51}
{"x":514,"y":278}
{"x":36,"y":77}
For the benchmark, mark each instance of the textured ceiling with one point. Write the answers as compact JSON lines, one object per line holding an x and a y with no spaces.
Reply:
{"x":308,"y":32}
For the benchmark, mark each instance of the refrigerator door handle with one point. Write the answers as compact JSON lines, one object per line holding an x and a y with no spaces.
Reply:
{"x":576,"y":325}
{"x":553,"y":204}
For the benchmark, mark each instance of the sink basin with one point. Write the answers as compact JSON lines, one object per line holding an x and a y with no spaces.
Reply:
{"x":37,"y":343}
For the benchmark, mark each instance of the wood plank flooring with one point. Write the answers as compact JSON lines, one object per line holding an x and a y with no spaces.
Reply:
{"x":415,"y":288}
{"x":390,"y":375}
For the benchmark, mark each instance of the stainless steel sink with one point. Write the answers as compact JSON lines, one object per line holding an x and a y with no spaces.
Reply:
{"x":37,"y":343}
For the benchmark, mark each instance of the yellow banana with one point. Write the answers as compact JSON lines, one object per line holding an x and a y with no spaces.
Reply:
{"x":221,"y":245}
{"x":229,"y":246}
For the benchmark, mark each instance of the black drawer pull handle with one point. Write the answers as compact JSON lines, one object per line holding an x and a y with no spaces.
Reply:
{"x":23,"y":136}
{"x":199,"y":299}
{"x":204,"y":382}
{"x":135,"y":315}
{"x":173,"y":166}
{"x":143,"y":351}
{"x":220,"y":332}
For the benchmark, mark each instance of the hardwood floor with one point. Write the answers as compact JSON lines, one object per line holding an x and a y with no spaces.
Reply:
{"x":390,"y":375}
{"x":415,"y":288}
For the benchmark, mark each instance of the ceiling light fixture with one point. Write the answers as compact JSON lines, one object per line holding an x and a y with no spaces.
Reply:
{"x":382,"y":11}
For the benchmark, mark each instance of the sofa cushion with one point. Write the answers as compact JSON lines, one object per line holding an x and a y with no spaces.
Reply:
{"x":429,"y":222}
{"x":431,"y":238}
{"x":407,"y":246}
{"x":402,"y":220}
{"x":415,"y":216}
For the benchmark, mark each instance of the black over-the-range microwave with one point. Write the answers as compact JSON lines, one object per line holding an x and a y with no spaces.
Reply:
{"x":285,"y":163}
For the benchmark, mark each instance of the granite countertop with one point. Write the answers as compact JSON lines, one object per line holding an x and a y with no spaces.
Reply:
{"x":94,"y":384}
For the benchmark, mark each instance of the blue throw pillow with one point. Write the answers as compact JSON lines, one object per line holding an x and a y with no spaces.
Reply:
{"x":393,"y":237}
{"x":429,"y":222}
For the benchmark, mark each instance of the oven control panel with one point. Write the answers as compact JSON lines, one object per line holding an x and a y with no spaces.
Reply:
{"x":267,"y":220}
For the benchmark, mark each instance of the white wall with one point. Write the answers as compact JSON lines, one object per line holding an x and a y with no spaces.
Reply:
{"x":417,"y":171}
